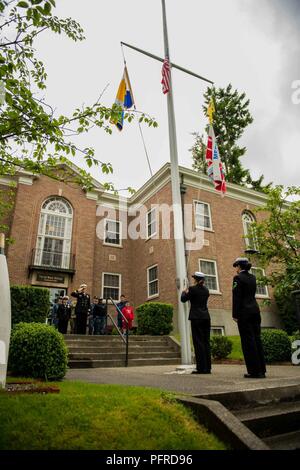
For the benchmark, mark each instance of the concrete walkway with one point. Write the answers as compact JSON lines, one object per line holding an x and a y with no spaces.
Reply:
{"x":224,"y":378}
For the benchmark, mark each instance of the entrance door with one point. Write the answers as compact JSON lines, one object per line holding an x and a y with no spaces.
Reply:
{"x":55,"y":293}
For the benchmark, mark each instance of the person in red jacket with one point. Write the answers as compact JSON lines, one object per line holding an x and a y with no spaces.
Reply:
{"x":129,"y":315}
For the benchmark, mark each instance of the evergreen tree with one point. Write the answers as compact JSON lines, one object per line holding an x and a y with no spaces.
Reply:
{"x":231,"y":118}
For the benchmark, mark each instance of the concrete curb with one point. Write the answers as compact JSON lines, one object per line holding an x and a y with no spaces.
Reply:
{"x":217,"y":419}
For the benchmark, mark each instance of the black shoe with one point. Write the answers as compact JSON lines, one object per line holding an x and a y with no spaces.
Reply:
{"x":254,"y":376}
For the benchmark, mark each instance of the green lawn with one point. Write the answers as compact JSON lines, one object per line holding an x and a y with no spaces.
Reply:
{"x":94,"y":417}
{"x":236,"y":346}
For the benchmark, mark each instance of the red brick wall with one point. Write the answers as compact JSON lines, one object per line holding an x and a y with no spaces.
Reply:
{"x":133,"y":258}
{"x":28,"y":204}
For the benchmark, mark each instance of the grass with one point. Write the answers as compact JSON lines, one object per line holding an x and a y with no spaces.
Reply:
{"x":236,"y":352}
{"x":100,"y":417}
{"x":236,"y":346}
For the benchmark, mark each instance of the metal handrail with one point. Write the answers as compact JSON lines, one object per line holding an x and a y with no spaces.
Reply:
{"x":126,"y":340}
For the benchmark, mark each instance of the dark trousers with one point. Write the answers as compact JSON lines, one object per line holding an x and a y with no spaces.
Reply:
{"x":249,"y":330}
{"x":99,"y":325}
{"x":201,"y":341}
{"x":119,"y":320}
{"x":63,"y":326}
{"x":81,"y":319}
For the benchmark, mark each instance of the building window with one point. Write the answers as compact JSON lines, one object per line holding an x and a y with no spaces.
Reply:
{"x":53,"y":246}
{"x":217,"y":330}
{"x":209,"y":268}
{"x":151,"y":223}
{"x":112,"y":232}
{"x":261,"y":290}
{"x":249,"y":231}
{"x":152,"y":275}
{"x":111,"y":286}
{"x":202,"y":216}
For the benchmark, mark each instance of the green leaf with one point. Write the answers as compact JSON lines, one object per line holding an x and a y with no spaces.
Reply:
{"x":47,"y":8}
{"x":23,"y":5}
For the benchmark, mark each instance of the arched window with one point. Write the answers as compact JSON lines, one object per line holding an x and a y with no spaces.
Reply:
{"x":54,"y":234}
{"x":249,"y":232}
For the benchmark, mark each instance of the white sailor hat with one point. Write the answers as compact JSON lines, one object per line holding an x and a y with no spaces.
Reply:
{"x":83,"y":285}
{"x":198,"y":275}
{"x":240,"y":262}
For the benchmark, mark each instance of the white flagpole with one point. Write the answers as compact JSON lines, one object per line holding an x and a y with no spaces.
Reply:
{"x":181,"y":273}
{"x":5,"y":313}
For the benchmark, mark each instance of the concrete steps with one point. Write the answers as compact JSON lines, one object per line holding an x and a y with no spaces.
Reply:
{"x":288,"y":441}
{"x":273,"y":414}
{"x":109,"y":351}
{"x":272,"y":420}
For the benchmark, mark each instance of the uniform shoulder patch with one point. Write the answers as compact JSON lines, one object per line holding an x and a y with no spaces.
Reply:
{"x":234,"y":285}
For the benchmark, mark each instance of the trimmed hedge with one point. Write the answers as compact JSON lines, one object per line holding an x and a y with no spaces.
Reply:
{"x":37,"y":351}
{"x":29,"y":304}
{"x":276,"y":345}
{"x":221,"y":347}
{"x":154,"y":318}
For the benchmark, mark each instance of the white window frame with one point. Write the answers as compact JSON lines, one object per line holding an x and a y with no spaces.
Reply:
{"x":42,"y":235}
{"x":120,"y":285}
{"x":148,"y":282}
{"x":261,"y":296}
{"x":222,"y":328}
{"x":152,"y":235}
{"x":199,"y":227}
{"x":253,"y":241}
{"x":216,"y":275}
{"x":120,"y":245}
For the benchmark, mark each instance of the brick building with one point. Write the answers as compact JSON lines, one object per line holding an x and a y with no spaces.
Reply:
{"x":65,"y":235}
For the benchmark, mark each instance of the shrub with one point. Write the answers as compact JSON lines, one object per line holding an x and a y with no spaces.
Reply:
{"x":29,"y":304}
{"x":221,"y":347}
{"x":154,"y":318}
{"x":276,"y":345}
{"x":38,"y":351}
{"x":295,"y":336}
{"x":286,"y":307}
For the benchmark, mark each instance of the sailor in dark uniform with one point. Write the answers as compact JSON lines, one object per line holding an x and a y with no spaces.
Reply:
{"x":246,"y":313}
{"x":200,"y":322}
{"x":82,"y":308}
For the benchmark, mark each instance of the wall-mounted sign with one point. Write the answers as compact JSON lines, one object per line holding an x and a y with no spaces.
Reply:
{"x":49,"y":277}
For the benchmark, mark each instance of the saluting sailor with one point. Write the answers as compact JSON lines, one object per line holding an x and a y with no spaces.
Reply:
{"x":245,"y":311}
{"x":200,"y":322}
{"x":82,"y":308}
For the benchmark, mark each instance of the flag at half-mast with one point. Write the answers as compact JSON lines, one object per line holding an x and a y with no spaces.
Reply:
{"x":215,"y":169}
{"x":166,"y":76}
{"x":124,"y":99}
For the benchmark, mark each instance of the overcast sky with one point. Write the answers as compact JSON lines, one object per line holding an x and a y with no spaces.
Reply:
{"x":253,"y":44}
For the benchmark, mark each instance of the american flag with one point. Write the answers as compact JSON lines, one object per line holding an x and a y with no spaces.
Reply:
{"x":166,"y":76}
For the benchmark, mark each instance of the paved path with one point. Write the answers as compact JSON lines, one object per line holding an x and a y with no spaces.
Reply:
{"x":224,"y":378}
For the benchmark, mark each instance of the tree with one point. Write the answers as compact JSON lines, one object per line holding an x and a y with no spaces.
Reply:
{"x":231,"y":118}
{"x":278,"y":238}
{"x":32,"y":136}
